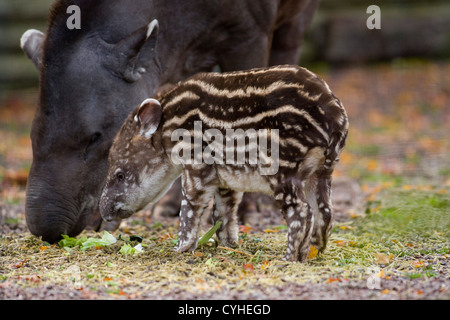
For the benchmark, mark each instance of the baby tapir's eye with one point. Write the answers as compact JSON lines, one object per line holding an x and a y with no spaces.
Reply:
{"x":120,"y":176}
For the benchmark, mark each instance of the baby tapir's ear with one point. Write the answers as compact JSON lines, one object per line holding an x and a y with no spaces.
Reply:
{"x":149,"y":116}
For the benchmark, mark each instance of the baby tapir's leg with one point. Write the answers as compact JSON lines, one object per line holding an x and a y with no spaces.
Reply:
{"x":324,"y":214}
{"x":298,"y":216}
{"x":196,"y":195}
{"x":226,"y":203}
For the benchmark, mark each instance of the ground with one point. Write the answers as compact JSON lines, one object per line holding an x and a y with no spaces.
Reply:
{"x":391,"y":193}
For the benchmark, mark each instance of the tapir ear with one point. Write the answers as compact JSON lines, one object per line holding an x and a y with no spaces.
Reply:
{"x":139,"y":50}
{"x":32,"y":42}
{"x":149,"y":117}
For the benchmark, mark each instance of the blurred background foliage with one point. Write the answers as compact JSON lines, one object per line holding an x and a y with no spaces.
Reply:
{"x":338,"y":35}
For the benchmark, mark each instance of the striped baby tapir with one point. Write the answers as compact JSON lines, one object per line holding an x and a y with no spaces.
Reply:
{"x":291,"y":123}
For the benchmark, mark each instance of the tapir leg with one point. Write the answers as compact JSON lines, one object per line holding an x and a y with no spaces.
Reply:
{"x":197,"y":189}
{"x":225,"y":208}
{"x":287,"y":38}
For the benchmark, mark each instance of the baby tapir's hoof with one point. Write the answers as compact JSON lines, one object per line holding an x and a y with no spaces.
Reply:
{"x":186,"y":246}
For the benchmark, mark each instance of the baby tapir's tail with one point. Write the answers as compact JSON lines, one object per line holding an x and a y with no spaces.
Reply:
{"x":337,"y":143}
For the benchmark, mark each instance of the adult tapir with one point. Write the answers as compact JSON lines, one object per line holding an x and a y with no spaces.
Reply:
{"x":124,"y":50}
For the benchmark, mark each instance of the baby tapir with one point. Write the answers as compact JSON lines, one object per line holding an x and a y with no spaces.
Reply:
{"x":289,"y":130}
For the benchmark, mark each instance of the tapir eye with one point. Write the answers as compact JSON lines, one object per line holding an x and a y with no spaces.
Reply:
{"x":120,"y":176}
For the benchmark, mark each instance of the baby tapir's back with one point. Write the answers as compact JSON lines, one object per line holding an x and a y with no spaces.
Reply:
{"x":295,"y":105}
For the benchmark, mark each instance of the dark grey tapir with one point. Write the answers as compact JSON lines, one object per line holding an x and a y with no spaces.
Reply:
{"x":124,"y":50}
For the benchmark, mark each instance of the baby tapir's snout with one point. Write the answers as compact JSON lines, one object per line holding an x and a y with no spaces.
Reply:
{"x":306,"y":128}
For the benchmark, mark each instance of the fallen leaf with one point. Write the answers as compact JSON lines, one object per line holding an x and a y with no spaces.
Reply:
{"x":381,"y":258}
{"x":343,"y":243}
{"x":265,"y":264}
{"x":20,"y":264}
{"x":372,"y":165}
{"x":419,"y":264}
{"x":271,"y":230}
{"x":312,"y":252}
{"x":330,"y":280}
{"x":122,"y":293}
{"x":355,"y":215}
{"x":385,"y":291}
{"x":248,"y":266}
{"x":16,"y":177}
{"x":245,"y":228}
{"x":166,"y":236}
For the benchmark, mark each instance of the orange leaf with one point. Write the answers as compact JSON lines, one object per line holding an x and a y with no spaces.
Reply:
{"x":16,"y":177}
{"x":330,"y":280}
{"x":419,"y":264}
{"x":248,"y":266}
{"x":20,"y":264}
{"x":245,"y":228}
{"x":107,"y":278}
{"x":312,"y":252}
{"x":265,"y":264}
{"x":122,"y":293}
{"x":372,"y":165}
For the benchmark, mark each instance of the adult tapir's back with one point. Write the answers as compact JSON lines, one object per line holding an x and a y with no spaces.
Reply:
{"x":91,"y":78}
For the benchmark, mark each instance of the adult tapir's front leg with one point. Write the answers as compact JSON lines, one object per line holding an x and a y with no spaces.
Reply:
{"x":288,"y":37}
{"x":196,"y":192}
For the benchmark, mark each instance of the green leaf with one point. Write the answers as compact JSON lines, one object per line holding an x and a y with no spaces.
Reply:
{"x":204,"y":240}
{"x":69,"y":242}
{"x":106,"y":240}
{"x":129,"y":250}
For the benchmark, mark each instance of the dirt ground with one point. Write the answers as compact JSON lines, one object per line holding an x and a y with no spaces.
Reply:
{"x":391,"y":193}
